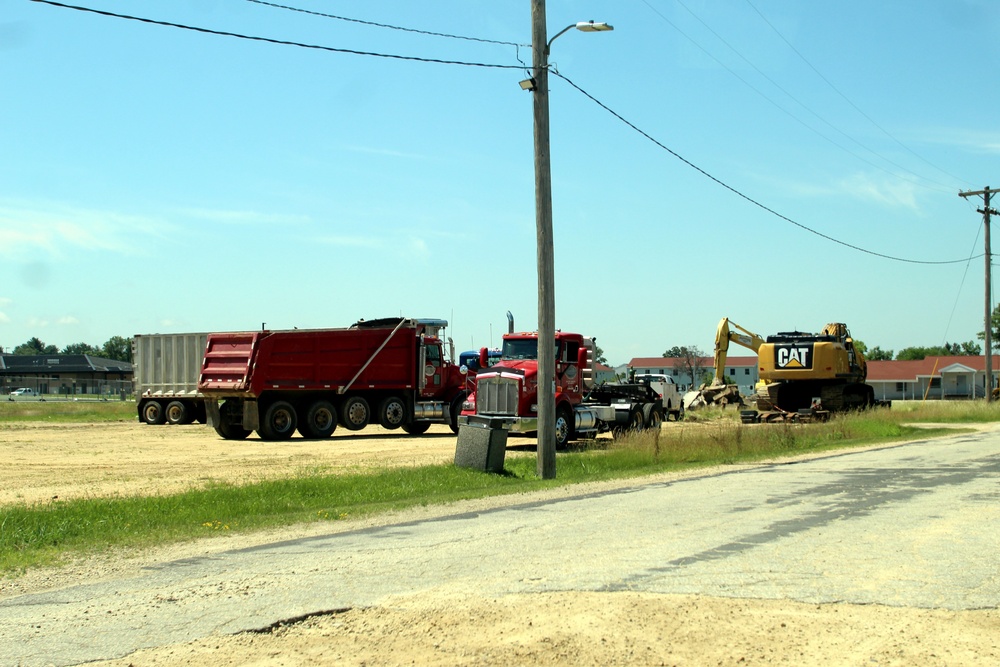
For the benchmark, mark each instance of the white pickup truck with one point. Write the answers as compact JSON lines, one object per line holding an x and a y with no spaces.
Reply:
{"x":665,"y":386}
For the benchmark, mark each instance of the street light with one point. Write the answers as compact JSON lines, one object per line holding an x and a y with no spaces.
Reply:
{"x":539,"y":84}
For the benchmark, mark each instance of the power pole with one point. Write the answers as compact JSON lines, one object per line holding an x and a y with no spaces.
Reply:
{"x":546,"y":461}
{"x":986,"y":211}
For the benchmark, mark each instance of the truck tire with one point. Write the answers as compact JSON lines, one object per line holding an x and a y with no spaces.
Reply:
{"x":231,"y":426}
{"x":320,"y":421}
{"x":279,"y":421}
{"x":633,"y":425}
{"x":653,"y":417}
{"x":178,"y":413}
{"x":153,"y":413}
{"x":232,"y":431}
{"x":355,"y":413}
{"x":565,"y":424}
{"x":392,"y":412}
{"x":416,"y":428}
{"x":456,"y":410}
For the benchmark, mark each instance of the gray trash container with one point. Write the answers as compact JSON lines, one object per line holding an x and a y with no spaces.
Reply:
{"x":482,"y":444}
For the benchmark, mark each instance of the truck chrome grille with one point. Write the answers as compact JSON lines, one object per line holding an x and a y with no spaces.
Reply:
{"x":496,"y":396}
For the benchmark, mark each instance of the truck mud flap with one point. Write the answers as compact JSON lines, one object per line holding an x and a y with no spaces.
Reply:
{"x":212,"y":415}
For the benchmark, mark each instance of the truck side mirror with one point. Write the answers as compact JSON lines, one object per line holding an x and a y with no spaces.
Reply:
{"x":484,"y":357}
{"x":581,"y":357}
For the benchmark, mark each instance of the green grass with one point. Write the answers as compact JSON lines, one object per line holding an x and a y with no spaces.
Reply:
{"x":50,"y":533}
{"x":62,"y":411}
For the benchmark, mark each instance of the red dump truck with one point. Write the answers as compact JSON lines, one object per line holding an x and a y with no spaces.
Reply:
{"x":392,"y":372}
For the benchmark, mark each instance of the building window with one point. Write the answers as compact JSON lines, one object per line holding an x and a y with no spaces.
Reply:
{"x":900,"y":386}
{"x":746,"y":371}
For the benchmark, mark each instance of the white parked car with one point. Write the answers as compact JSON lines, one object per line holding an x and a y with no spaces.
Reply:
{"x":23,"y":391}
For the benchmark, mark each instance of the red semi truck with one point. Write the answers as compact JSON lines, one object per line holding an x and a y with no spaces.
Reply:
{"x":392,"y":372}
{"x":508,"y":391}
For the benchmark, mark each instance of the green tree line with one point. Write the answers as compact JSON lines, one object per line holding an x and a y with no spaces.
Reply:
{"x":118,"y":348}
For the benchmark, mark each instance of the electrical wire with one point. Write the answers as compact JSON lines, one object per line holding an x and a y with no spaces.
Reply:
{"x":961,"y":284}
{"x":849,"y":101}
{"x":271,"y":40}
{"x":471,"y":64}
{"x":386,"y":25}
{"x":942,"y":187}
{"x":742,"y":195}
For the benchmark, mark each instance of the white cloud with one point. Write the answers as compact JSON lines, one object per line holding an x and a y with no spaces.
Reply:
{"x":368,"y":150}
{"x":894,"y":195}
{"x":243,"y":217}
{"x":67,"y":320}
{"x":27,"y":228}
{"x":3,"y":317}
{"x":352,"y":241}
{"x":418,"y":246}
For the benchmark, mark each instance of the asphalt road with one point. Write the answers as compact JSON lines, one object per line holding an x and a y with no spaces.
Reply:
{"x":916,"y":525}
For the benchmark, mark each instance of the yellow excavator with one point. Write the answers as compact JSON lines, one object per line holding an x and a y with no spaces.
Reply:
{"x":801,"y":371}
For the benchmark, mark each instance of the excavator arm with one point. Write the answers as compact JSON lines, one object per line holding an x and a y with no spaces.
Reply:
{"x":723,"y":335}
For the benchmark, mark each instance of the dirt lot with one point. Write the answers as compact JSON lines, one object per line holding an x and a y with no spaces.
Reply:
{"x":41,"y":462}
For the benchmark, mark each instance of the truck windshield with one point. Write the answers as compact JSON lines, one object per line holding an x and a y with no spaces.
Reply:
{"x":520,"y":348}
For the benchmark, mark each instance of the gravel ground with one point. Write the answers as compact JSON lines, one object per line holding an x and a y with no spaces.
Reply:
{"x":42,"y":462}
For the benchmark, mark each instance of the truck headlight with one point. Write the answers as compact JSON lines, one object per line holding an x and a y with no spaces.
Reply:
{"x":468,"y":405}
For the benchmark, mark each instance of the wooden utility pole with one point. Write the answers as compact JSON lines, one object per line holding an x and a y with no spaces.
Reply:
{"x":986,"y":211}
{"x":546,"y":463}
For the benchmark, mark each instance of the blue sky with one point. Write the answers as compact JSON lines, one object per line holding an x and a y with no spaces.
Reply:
{"x":154,"y":179}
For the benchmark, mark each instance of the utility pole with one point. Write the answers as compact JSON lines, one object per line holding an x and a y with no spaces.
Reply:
{"x":546,"y":463}
{"x":986,"y":211}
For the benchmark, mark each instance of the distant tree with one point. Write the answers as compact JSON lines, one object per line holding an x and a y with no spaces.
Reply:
{"x":117,"y":348}
{"x":35,"y":346}
{"x":80,"y":348}
{"x":878,"y":354}
{"x":599,"y":355}
{"x":688,"y":360}
{"x":947,"y":350}
{"x":994,"y":329}
{"x":861,"y":347}
{"x":972,"y":348}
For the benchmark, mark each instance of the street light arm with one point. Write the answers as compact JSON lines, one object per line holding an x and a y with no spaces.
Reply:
{"x":548,"y":46}
{"x":582,"y":26}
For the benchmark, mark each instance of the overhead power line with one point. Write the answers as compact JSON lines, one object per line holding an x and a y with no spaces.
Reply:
{"x":742,"y":195}
{"x":389,"y":26}
{"x":848,"y":100}
{"x":940,"y":187}
{"x":473,"y":64}
{"x":271,"y":40}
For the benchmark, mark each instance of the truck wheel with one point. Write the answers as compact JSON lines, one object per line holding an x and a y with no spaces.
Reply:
{"x":456,"y":410}
{"x":231,"y":424}
{"x":635,"y":421}
{"x":392,"y":412}
{"x":153,"y":414}
{"x":416,"y":428}
{"x":279,"y":421}
{"x":355,"y":413}
{"x":232,"y":431}
{"x":178,"y":413}
{"x":654,"y":417}
{"x":320,"y":421}
{"x":564,"y":426}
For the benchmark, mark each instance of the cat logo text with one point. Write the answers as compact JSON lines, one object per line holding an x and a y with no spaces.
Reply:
{"x":793,"y":356}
